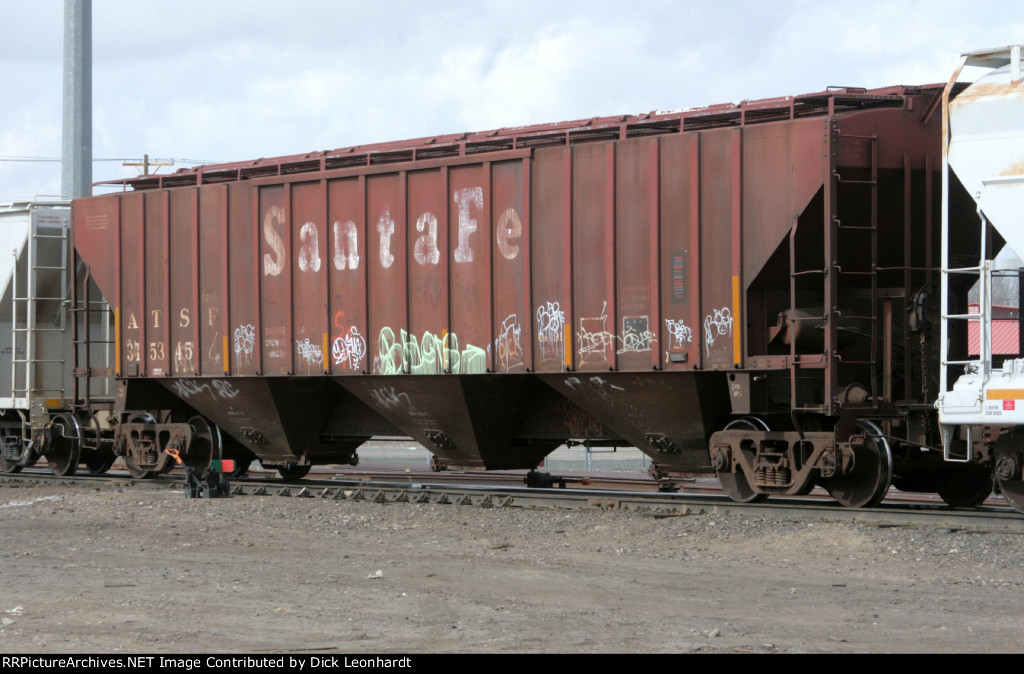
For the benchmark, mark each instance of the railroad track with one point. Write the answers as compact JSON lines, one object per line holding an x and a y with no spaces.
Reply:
{"x":508,"y":491}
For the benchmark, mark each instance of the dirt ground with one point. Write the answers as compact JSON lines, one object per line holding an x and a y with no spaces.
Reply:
{"x":147,"y":571}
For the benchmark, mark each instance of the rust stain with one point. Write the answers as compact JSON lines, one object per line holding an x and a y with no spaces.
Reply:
{"x":987,"y":89}
{"x":1015,"y":169}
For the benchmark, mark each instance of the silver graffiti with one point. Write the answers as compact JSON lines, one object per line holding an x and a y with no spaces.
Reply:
{"x":716,"y":325}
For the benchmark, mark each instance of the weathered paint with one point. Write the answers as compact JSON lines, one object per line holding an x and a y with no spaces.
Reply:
{"x":584,"y":253}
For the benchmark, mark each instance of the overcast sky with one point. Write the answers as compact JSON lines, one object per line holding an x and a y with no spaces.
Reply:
{"x":228,"y":80}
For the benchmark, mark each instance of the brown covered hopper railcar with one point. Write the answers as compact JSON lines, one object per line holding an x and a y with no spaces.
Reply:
{"x":759,"y":268}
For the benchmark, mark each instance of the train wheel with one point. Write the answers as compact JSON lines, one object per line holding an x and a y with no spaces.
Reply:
{"x":1013,"y":490}
{"x":9,"y":437}
{"x":1008,"y":468}
{"x":136,"y":472}
{"x":867,"y":484}
{"x":290,"y":472}
{"x":7,"y":465}
{"x":736,"y":485}
{"x":130,"y":464}
{"x":207,"y":444}
{"x":966,"y":489}
{"x":99,"y":461}
{"x":65,"y":450}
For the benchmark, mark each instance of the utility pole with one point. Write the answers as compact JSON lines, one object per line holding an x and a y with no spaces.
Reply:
{"x":76,"y":163}
{"x":145,"y":164}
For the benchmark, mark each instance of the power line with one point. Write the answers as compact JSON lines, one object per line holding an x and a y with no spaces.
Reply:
{"x":119,"y":159}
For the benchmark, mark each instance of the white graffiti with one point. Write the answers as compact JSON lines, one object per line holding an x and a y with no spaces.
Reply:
{"x":594,"y":338}
{"x":225,"y":389}
{"x":186,"y":388}
{"x":636,"y":335}
{"x":309,"y":352}
{"x":550,"y":330}
{"x":599,"y":382}
{"x":596,"y":385}
{"x":349,"y":350}
{"x":716,"y":324}
{"x":507,"y":347}
{"x":388,"y":397}
{"x":245,"y":341}
{"x":429,"y":355}
{"x":681,"y":334}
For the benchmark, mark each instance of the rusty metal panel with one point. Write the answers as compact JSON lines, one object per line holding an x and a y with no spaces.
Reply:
{"x":309,"y":279}
{"x":387,"y":300}
{"x":240,"y":346}
{"x":551,"y":259}
{"x":183,"y":248}
{"x":593,"y":257}
{"x":680,"y":245}
{"x":781,"y":174}
{"x":513,"y":343}
{"x":428,"y":271}
{"x":348,"y":272}
{"x":131,"y":310}
{"x":211,"y":321}
{"x":156,"y":272}
{"x":783,"y":166}
{"x":470,"y":286}
{"x":719,"y":321}
{"x":275,"y":280}
{"x":636,"y":259}
{"x":95,"y":234}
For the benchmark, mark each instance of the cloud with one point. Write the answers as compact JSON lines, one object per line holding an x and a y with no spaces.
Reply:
{"x":235,"y":80}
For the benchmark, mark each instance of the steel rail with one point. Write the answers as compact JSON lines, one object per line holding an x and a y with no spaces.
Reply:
{"x":653,"y":504}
